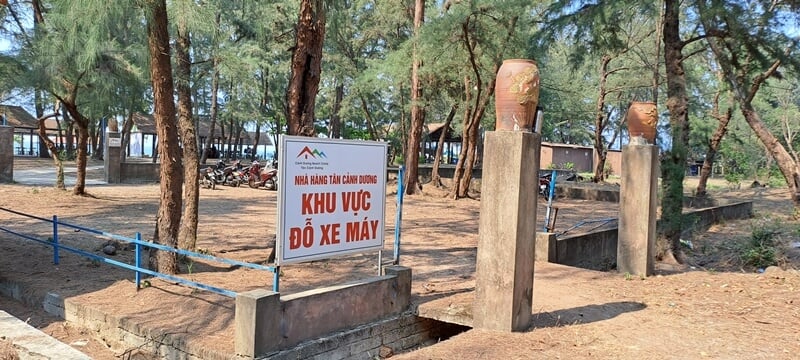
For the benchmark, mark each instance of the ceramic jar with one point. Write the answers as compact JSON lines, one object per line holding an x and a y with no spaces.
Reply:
{"x":642,"y":118}
{"x":516,"y":94}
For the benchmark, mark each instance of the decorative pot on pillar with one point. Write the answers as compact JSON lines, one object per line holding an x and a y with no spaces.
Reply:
{"x":516,"y":94}
{"x":642,"y":118}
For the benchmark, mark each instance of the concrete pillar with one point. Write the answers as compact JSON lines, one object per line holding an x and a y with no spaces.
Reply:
{"x":636,"y":247}
{"x":257,"y":322}
{"x":113,"y":158}
{"x":402,"y":287}
{"x":546,"y":247}
{"x":504,"y":270}
{"x":6,"y":154}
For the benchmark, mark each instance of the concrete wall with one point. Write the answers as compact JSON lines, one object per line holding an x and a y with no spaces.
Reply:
{"x":546,"y":156}
{"x":139,"y":172}
{"x":701,"y":220}
{"x":267,"y":322}
{"x":598,"y":250}
{"x":587,"y":191}
{"x":581,"y":157}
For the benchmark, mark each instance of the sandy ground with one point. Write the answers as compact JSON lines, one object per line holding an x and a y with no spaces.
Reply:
{"x":713,"y":308}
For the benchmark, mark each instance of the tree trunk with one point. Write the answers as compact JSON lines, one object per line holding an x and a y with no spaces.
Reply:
{"x":169,"y":210}
{"x":83,"y":137}
{"x":187,"y":237}
{"x":436,"y":180}
{"x":600,"y":123}
{"x":97,"y":145}
{"x":462,"y":177}
{"x":42,"y":130}
{"x":789,"y":168}
{"x":411,"y":156}
{"x":713,"y":145}
{"x":69,"y":134}
{"x":674,"y":163}
{"x":373,"y":133}
{"x":335,"y":130}
{"x":127,"y":126}
{"x":468,"y":152}
{"x":306,"y":67}
{"x":256,"y":141}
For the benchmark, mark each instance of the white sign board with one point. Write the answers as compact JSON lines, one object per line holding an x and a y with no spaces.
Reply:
{"x":331,"y":198}
{"x":114,"y":142}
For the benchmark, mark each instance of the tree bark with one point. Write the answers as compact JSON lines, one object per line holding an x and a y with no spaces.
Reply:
{"x":411,"y":157}
{"x":335,"y":130}
{"x":373,"y":133}
{"x":83,"y":136}
{"x":127,"y":126}
{"x":475,"y":108}
{"x":713,"y":145}
{"x":674,"y":163}
{"x":306,"y":67}
{"x":436,"y":179}
{"x":187,"y":237}
{"x":599,"y":121}
{"x":169,"y":210}
{"x":42,"y":130}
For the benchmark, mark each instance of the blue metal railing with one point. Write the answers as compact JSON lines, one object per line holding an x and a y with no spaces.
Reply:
{"x":139,"y":244}
{"x":398,"y":215}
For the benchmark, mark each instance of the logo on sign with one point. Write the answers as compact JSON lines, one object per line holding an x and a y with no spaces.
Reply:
{"x":307,"y":152}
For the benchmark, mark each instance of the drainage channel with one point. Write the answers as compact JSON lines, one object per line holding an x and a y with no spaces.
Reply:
{"x":379,"y":340}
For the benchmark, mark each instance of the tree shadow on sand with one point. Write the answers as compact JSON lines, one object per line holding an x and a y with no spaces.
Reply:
{"x":584,"y":314}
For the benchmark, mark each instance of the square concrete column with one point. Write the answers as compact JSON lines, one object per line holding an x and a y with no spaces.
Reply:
{"x":113,"y":158}
{"x":546,"y":247}
{"x":257,"y":321}
{"x":6,"y":154}
{"x":636,"y":246}
{"x":507,"y":233}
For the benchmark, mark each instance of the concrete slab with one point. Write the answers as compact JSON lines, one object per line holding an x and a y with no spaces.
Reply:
{"x":554,"y":295}
{"x":47,"y":177}
{"x":31,"y":343}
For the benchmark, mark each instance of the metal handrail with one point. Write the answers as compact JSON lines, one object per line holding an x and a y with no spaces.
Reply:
{"x":138,"y":245}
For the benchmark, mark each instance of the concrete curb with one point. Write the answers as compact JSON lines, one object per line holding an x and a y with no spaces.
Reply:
{"x":31,"y":343}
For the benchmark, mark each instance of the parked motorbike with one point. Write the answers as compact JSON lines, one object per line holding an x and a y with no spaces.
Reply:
{"x":207,"y":179}
{"x":262,"y":177}
{"x":544,"y":186}
{"x":239,"y":174}
{"x":227,"y":175}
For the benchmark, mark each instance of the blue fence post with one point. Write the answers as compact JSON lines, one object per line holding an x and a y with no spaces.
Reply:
{"x":550,"y":194}
{"x":399,"y":214}
{"x":138,"y":260}
{"x":55,"y":239}
{"x":276,"y":279}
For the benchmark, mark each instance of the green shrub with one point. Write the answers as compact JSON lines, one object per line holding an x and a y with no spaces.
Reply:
{"x":607,"y":170}
{"x":776,"y":181}
{"x":760,"y":250}
{"x":733,"y":179}
{"x":759,"y":257}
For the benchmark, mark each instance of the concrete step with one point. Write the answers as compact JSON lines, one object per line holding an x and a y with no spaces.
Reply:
{"x":30,"y":343}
